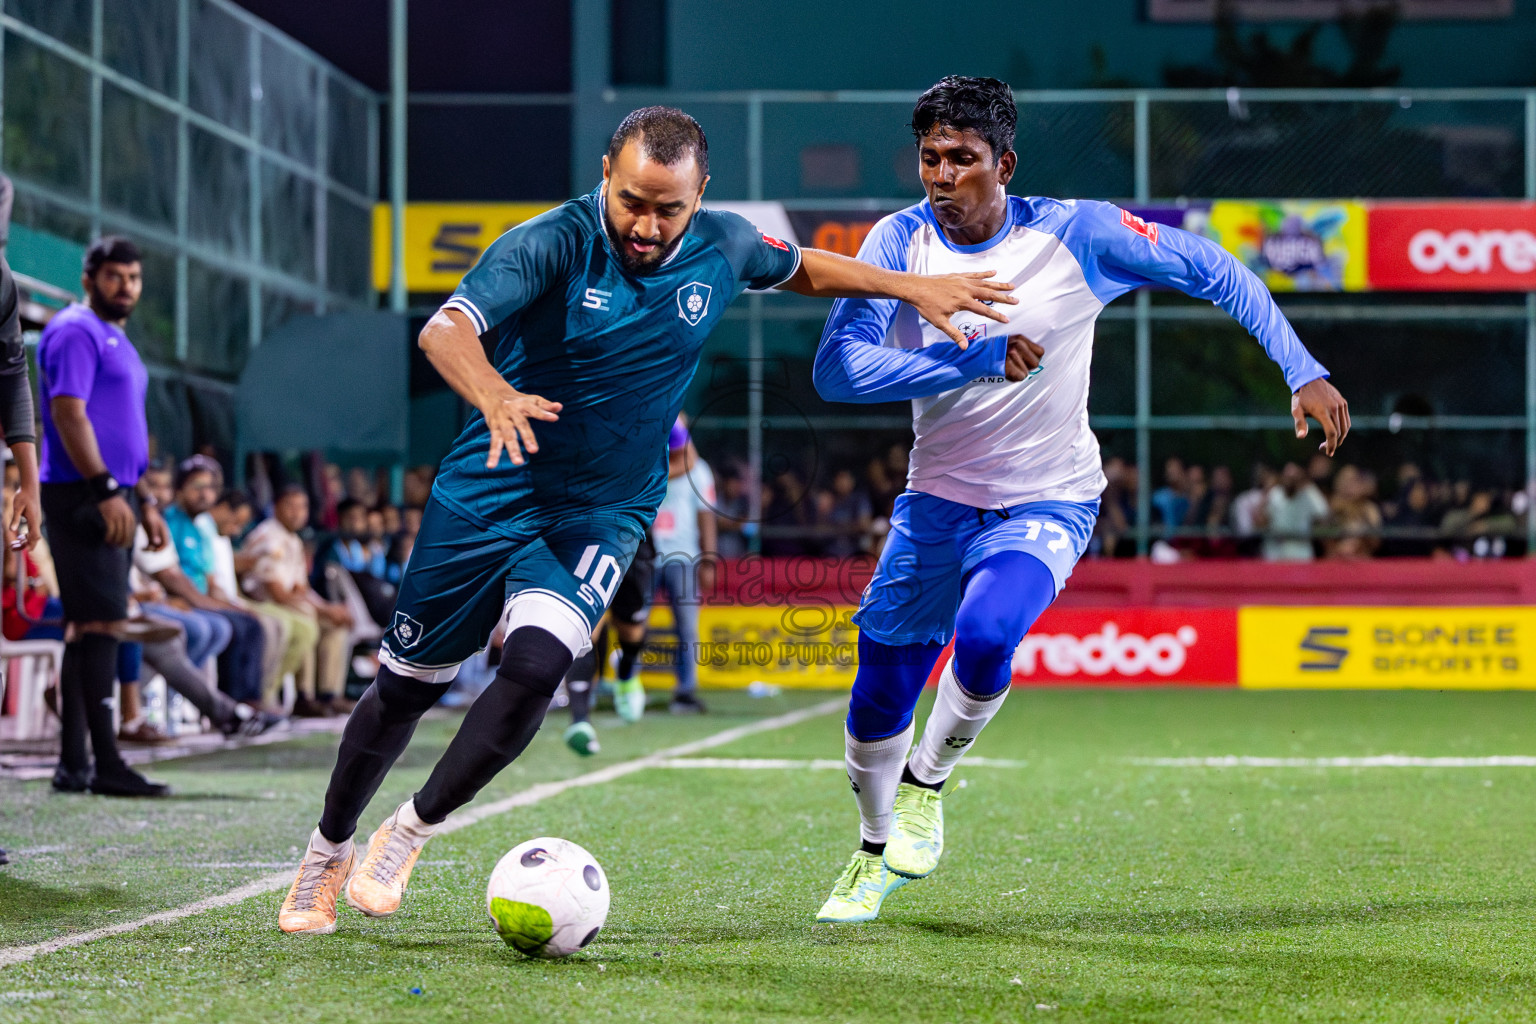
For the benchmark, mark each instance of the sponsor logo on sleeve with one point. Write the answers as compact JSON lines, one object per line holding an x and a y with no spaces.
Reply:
{"x":1146,"y":229}
{"x":776,"y":243}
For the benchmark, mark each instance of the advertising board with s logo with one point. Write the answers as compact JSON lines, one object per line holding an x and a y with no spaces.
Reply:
{"x":1387,"y":647}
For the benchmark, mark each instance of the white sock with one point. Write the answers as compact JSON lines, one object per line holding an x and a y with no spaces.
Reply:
{"x":874,"y":769}
{"x":325,"y":847}
{"x":410,"y":822}
{"x":956,"y":720}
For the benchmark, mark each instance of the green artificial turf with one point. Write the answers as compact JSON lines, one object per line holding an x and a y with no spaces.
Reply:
{"x":1079,"y":887}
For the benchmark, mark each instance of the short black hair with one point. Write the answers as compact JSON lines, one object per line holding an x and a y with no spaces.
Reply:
{"x":666,"y":134}
{"x":289,"y":490}
{"x":346,"y":505}
{"x":982,"y":105}
{"x":110,"y":249}
{"x":234,"y":499}
{"x":198,"y":464}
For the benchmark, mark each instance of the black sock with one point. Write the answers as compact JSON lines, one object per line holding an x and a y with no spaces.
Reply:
{"x":907,"y":776}
{"x":85,"y":698}
{"x":600,"y":647}
{"x":578,"y":684}
{"x":500,"y":724}
{"x":629,"y":653}
{"x":866,"y":846}
{"x":375,"y":736}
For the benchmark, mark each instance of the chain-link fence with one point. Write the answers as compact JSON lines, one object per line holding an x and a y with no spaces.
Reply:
{"x":243,"y":165}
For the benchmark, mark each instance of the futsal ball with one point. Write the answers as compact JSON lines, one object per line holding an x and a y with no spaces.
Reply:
{"x":547,"y":898}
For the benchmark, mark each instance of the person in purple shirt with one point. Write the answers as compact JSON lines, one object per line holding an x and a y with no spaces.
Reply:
{"x":92,"y":385}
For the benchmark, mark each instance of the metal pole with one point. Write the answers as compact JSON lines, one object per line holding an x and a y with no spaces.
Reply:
{"x":323,"y":188}
{"x":97,"y":22}
{"x":1530,"y":422}
{"x":183,"y":175}
{"x":1143,"y":148}
{"x":755,"y":147}
{"x":1143,"y":421}
{"x":1530,"y":340}
{"x":755,"y":333}
{"x":253,"y":285}
{"x":397,"y":101}
{"x":2,"y":88}
{"x":1143,"y":187}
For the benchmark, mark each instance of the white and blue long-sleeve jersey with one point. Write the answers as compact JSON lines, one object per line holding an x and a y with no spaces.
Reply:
{"x":986,"y":442}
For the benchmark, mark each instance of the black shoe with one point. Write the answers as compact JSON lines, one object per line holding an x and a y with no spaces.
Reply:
{"x":257,"y":724}
{"x":3,"y":858}
{"x":687,"y":704}
{"x":66,"y":781}
{"x":124,"y":781}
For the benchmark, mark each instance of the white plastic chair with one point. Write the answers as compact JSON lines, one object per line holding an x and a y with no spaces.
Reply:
{"x":30,"y":665}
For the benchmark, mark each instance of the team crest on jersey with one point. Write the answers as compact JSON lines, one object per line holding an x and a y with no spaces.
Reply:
{"x":693,"y":302}
{"x":1146,"y":229}
{"x":407,"y":630}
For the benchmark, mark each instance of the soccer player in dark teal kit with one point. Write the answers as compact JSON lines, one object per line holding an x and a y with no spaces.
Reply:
{"x":596,"y":313}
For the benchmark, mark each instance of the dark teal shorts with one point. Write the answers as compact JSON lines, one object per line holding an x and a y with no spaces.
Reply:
{"x":461,"y":577}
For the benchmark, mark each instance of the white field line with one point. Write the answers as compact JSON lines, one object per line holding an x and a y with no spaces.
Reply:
{"x":1379,"y":761}
{"x":463,"y":819}
{"x":813,"y":764}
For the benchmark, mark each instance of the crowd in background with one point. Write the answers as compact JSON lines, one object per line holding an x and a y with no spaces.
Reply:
{"x":1325,"y":509}
{"x":289,"y":581}
{"x":1293,"y":513}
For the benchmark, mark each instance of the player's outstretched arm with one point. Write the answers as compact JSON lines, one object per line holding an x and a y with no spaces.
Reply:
{"x":826,"y":275}
{"x":453,"y":348}
{"x":1129,"y":253}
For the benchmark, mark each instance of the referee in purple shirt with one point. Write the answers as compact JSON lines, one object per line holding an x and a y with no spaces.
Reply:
{"x":95,"y":447}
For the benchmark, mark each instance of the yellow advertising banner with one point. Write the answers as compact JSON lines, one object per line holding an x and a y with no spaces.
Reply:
{"x":812,"y":647}
{"x":1472,"y":648}
{"x":1294,"y":246}
{"x":443,"y":240}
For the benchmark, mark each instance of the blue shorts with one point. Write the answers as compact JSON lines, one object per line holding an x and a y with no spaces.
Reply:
{"x":934,"y":544}
{"x":462,"y":576}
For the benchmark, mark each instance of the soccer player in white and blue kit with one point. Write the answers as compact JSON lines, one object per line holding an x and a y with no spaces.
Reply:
{"x":1005,"y":473}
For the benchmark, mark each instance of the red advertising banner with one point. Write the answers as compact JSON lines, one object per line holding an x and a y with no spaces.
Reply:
{"x":1472,"y":246}
{"x":1120,"y":646}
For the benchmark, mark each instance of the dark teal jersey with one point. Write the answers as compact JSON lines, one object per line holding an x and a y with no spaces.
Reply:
{"x":566,"y":322}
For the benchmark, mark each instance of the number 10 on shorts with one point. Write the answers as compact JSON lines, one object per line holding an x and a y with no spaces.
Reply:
{"x":600,"y":577}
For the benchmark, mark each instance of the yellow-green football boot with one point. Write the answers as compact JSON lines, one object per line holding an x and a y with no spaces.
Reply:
{"x":863,"y":886}
{"x":917,"y":832}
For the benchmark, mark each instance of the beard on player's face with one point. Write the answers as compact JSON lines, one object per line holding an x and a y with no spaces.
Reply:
{"x":639,"y":263}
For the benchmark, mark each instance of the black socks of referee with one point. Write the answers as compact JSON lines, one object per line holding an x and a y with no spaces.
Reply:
{"x":85,"y":703}
{"x":375,"y":736}
{"x":500,"y":724}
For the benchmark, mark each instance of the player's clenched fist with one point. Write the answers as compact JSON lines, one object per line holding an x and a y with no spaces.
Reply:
{"x":508,"y":416}
{"x":1022,"y":359}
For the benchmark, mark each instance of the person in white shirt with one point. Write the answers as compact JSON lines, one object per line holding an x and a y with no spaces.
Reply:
{"x":1291,"y":508}
{"x":280,"y":583}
